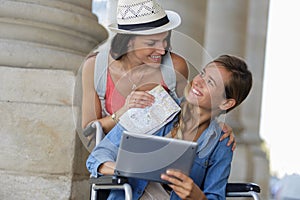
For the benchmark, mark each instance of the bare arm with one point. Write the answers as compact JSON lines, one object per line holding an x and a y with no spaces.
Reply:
{"x":91,"y":106}
{"x":107,"y":168}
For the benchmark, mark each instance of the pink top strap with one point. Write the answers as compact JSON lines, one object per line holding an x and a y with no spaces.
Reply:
{"x":113,"y":99}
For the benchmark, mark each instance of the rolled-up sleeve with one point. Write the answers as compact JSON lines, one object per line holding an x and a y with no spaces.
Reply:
{"x":105,"y":151}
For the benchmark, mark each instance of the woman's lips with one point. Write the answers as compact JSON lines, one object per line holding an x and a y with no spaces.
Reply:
{"x":156,"y":58}
{"x":196,"y":92}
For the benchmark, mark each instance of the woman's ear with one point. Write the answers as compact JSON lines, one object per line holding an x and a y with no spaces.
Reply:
{"x":130,"y":43}
{"x":227,"y":104}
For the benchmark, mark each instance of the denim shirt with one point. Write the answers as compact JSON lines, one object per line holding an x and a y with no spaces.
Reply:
{"x":210,"y":170}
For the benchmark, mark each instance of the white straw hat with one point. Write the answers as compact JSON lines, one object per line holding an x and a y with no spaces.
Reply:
{"x":143,"y":17}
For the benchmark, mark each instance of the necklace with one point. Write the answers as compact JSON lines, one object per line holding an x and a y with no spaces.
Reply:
{"x":134,"y":83}
{"x":133,"y":87}
{"x":133,"y":74}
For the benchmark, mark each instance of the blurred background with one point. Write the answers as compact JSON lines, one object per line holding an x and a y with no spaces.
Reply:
{"x":279,"y":115}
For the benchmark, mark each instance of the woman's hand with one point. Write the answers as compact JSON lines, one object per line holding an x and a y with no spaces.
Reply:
{"x":136,"y":99}
{"x":139,"y":99}
{"x":107,"y":168}
{"x":183,"y":185}
{"x":228,"y":133}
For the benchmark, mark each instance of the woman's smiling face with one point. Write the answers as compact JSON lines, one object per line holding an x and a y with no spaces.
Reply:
{"x":148,"y":49}
{"x":207,"y":88}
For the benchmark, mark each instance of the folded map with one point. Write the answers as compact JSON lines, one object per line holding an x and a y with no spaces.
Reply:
{"x":150,"y":119}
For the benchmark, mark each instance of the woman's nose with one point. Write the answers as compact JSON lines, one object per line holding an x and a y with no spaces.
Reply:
{"x":199,"y":81}
{"x":160,"y":47}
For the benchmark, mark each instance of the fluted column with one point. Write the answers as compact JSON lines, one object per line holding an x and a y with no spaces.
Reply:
{"x":239,"y":28}
{"x":43,"y":43}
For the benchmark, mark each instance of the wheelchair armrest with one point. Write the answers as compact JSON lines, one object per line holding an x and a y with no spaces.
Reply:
{"x":243,"y":190}
{"x":107,"y":183}
{"x":108,"y":180}
{"x":242,"y":187}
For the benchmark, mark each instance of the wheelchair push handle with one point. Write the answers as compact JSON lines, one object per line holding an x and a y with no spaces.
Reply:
{"x":89,"y":130}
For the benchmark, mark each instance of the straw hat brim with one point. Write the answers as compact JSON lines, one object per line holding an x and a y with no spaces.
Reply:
{"x":174,"y":21}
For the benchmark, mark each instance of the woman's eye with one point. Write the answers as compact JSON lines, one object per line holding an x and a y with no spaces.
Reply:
{"x":202,"y":73}
{"x":151,"y":44}
{"x":210,"y":82}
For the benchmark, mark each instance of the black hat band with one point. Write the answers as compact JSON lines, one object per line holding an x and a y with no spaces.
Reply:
{"x":145,"y":26}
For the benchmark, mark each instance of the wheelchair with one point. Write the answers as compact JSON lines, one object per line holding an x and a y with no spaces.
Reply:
{"x":100,"y":186}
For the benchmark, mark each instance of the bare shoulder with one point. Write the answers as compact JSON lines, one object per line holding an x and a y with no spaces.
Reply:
{"x":180,"y":64}
{"x":89,"y":65}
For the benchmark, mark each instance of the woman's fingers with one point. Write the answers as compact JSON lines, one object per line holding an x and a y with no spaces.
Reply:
{"x":178,"y":178}
{"x":140,"y":99}
{"x":228,"y":132}
{"x":179,"y":182}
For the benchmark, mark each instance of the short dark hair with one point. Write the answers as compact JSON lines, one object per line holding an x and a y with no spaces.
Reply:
{"x":239,"y":86}
{"x":119,"y":44}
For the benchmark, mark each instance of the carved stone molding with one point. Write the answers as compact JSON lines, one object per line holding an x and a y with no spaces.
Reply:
{"x":47,"y":34}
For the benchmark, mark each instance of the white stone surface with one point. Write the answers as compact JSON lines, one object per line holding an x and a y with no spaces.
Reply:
{"x":36,"y":138}
{"x":53,"y":12}
{"x":36,"y":86}
{"x":47,"y":34}
{"x":32,"y":55}
{"x":43,"y":43}
{"x":28,"y":187}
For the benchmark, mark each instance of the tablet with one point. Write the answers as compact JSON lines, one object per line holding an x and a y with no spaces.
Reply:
{"x":146,"y":156}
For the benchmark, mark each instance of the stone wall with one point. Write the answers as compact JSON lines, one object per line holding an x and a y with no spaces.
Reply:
{"x":43,"y":44}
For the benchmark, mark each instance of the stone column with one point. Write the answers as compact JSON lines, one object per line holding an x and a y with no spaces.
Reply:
{"x":43,"y":43}
{"x":193,"y":16}
{"x":239,"y":28}
{"x":188,"y":38}
{"x":255,"y":55}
